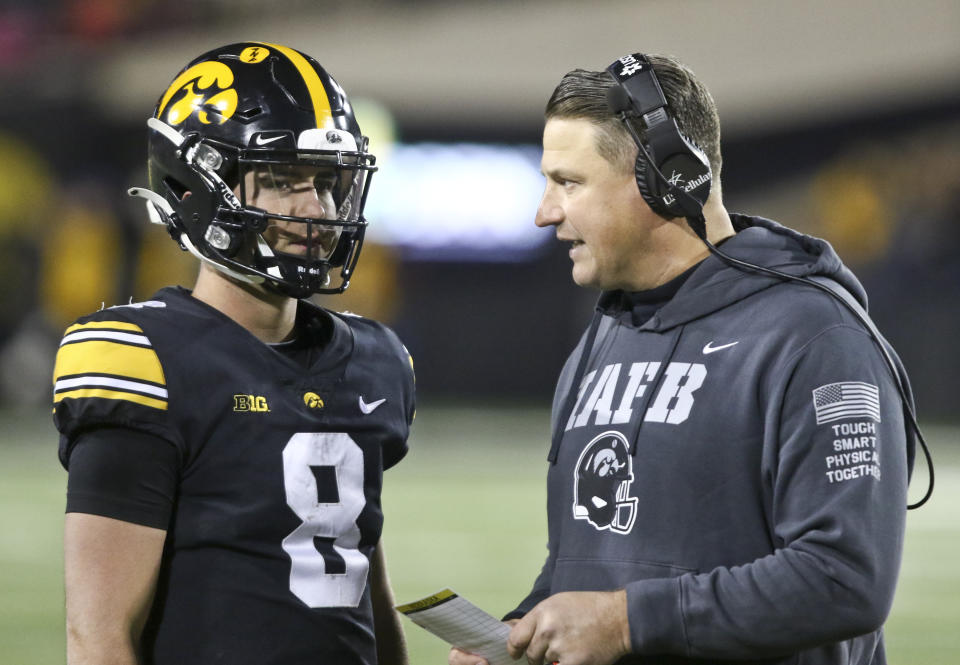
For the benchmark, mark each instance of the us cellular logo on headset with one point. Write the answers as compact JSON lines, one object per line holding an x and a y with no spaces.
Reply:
{"x":676,"y":179}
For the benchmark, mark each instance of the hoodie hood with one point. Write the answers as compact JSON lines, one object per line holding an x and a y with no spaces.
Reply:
{"x":715,"y":285}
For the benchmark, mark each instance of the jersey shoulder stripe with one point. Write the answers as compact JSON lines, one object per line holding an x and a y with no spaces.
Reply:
{"x":120,"y":331}
{"x":109,"y":360}
{"x":104,"y":325}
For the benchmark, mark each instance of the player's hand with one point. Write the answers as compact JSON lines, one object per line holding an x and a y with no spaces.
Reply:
{"x":459,"y":657}
{"x":573,"y":628}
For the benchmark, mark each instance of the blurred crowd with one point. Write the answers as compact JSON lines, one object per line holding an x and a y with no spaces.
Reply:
{"x":890,"y":205}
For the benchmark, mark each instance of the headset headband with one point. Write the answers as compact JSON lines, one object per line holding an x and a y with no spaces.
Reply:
{"x":637,"y":78}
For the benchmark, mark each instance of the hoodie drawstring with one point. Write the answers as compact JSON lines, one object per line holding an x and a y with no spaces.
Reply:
{"x":654,"y":389}
{"x":571,"y":398}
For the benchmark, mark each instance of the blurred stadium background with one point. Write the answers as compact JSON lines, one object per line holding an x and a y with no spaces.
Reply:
{"x":841,"y":118}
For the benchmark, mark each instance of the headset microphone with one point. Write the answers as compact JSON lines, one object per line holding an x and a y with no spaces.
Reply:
{"x":618,"y":101}
{"x":637,"y":94}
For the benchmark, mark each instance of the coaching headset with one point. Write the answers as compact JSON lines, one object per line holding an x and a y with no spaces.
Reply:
{"x":638,"y":95}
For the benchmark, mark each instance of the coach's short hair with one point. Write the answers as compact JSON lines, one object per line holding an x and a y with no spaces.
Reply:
{"x":583,"y":94}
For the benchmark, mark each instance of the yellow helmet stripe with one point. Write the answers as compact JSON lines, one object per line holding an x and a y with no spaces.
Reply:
{"x":318,"y":94}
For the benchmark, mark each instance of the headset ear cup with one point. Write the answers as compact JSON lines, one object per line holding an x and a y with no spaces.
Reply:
{"x":648,"y":184}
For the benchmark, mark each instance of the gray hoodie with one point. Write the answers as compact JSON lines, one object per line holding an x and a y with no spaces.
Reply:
{"x":756,"y":512}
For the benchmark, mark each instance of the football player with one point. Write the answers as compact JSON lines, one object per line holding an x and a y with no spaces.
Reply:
{"x":226,"y":445}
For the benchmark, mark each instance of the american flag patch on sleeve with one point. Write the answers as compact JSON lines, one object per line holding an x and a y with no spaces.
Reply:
{"x":848,"y":399}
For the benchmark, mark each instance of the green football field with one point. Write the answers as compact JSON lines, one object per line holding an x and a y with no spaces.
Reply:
{"x":464,"y":510}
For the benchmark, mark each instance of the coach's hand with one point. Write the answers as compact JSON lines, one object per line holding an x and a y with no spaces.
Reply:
{"x":574,"y":628}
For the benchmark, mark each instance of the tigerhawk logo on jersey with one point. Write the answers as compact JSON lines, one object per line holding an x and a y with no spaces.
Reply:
{"x":601,"y":389}
{"x":313,"y":400}
{"x":601,"y":484}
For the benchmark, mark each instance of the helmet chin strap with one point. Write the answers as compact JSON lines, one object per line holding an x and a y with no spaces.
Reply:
{"x":266,"y":252}
{"x":159,"y":211}
{"x":249,"y":279}
{"x":274,"y":270}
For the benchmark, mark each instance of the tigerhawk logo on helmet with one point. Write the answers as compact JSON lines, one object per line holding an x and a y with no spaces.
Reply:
{"x":232,"y":114}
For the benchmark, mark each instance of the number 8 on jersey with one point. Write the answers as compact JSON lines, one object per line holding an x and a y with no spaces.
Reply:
{"x":323,"y":478}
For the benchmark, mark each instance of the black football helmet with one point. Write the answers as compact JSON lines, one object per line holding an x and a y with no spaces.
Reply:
{"x":227,"y":141}
{"x":601,"y":488}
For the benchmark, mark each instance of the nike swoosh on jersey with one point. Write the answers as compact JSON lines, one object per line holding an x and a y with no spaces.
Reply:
{"x":261,"y":140}
{"x":371,"y":407}
{"x":707,"y":349}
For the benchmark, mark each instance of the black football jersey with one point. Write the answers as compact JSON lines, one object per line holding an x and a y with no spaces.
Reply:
{"x":277,"y":510}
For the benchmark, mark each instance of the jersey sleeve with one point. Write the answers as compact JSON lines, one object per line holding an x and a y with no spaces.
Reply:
{"x":123,"y":474}
{"x":108,"y":374}
{"x":837,"y":475}
{"x":396,"y":452}
{"x":381,"y":357}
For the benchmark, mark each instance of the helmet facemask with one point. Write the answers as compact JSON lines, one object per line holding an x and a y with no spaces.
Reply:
{"x":301,"y":211}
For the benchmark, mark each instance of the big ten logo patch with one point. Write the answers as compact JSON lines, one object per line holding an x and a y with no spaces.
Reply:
{"x":250,"y":403}
{"x":203,"y":89}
